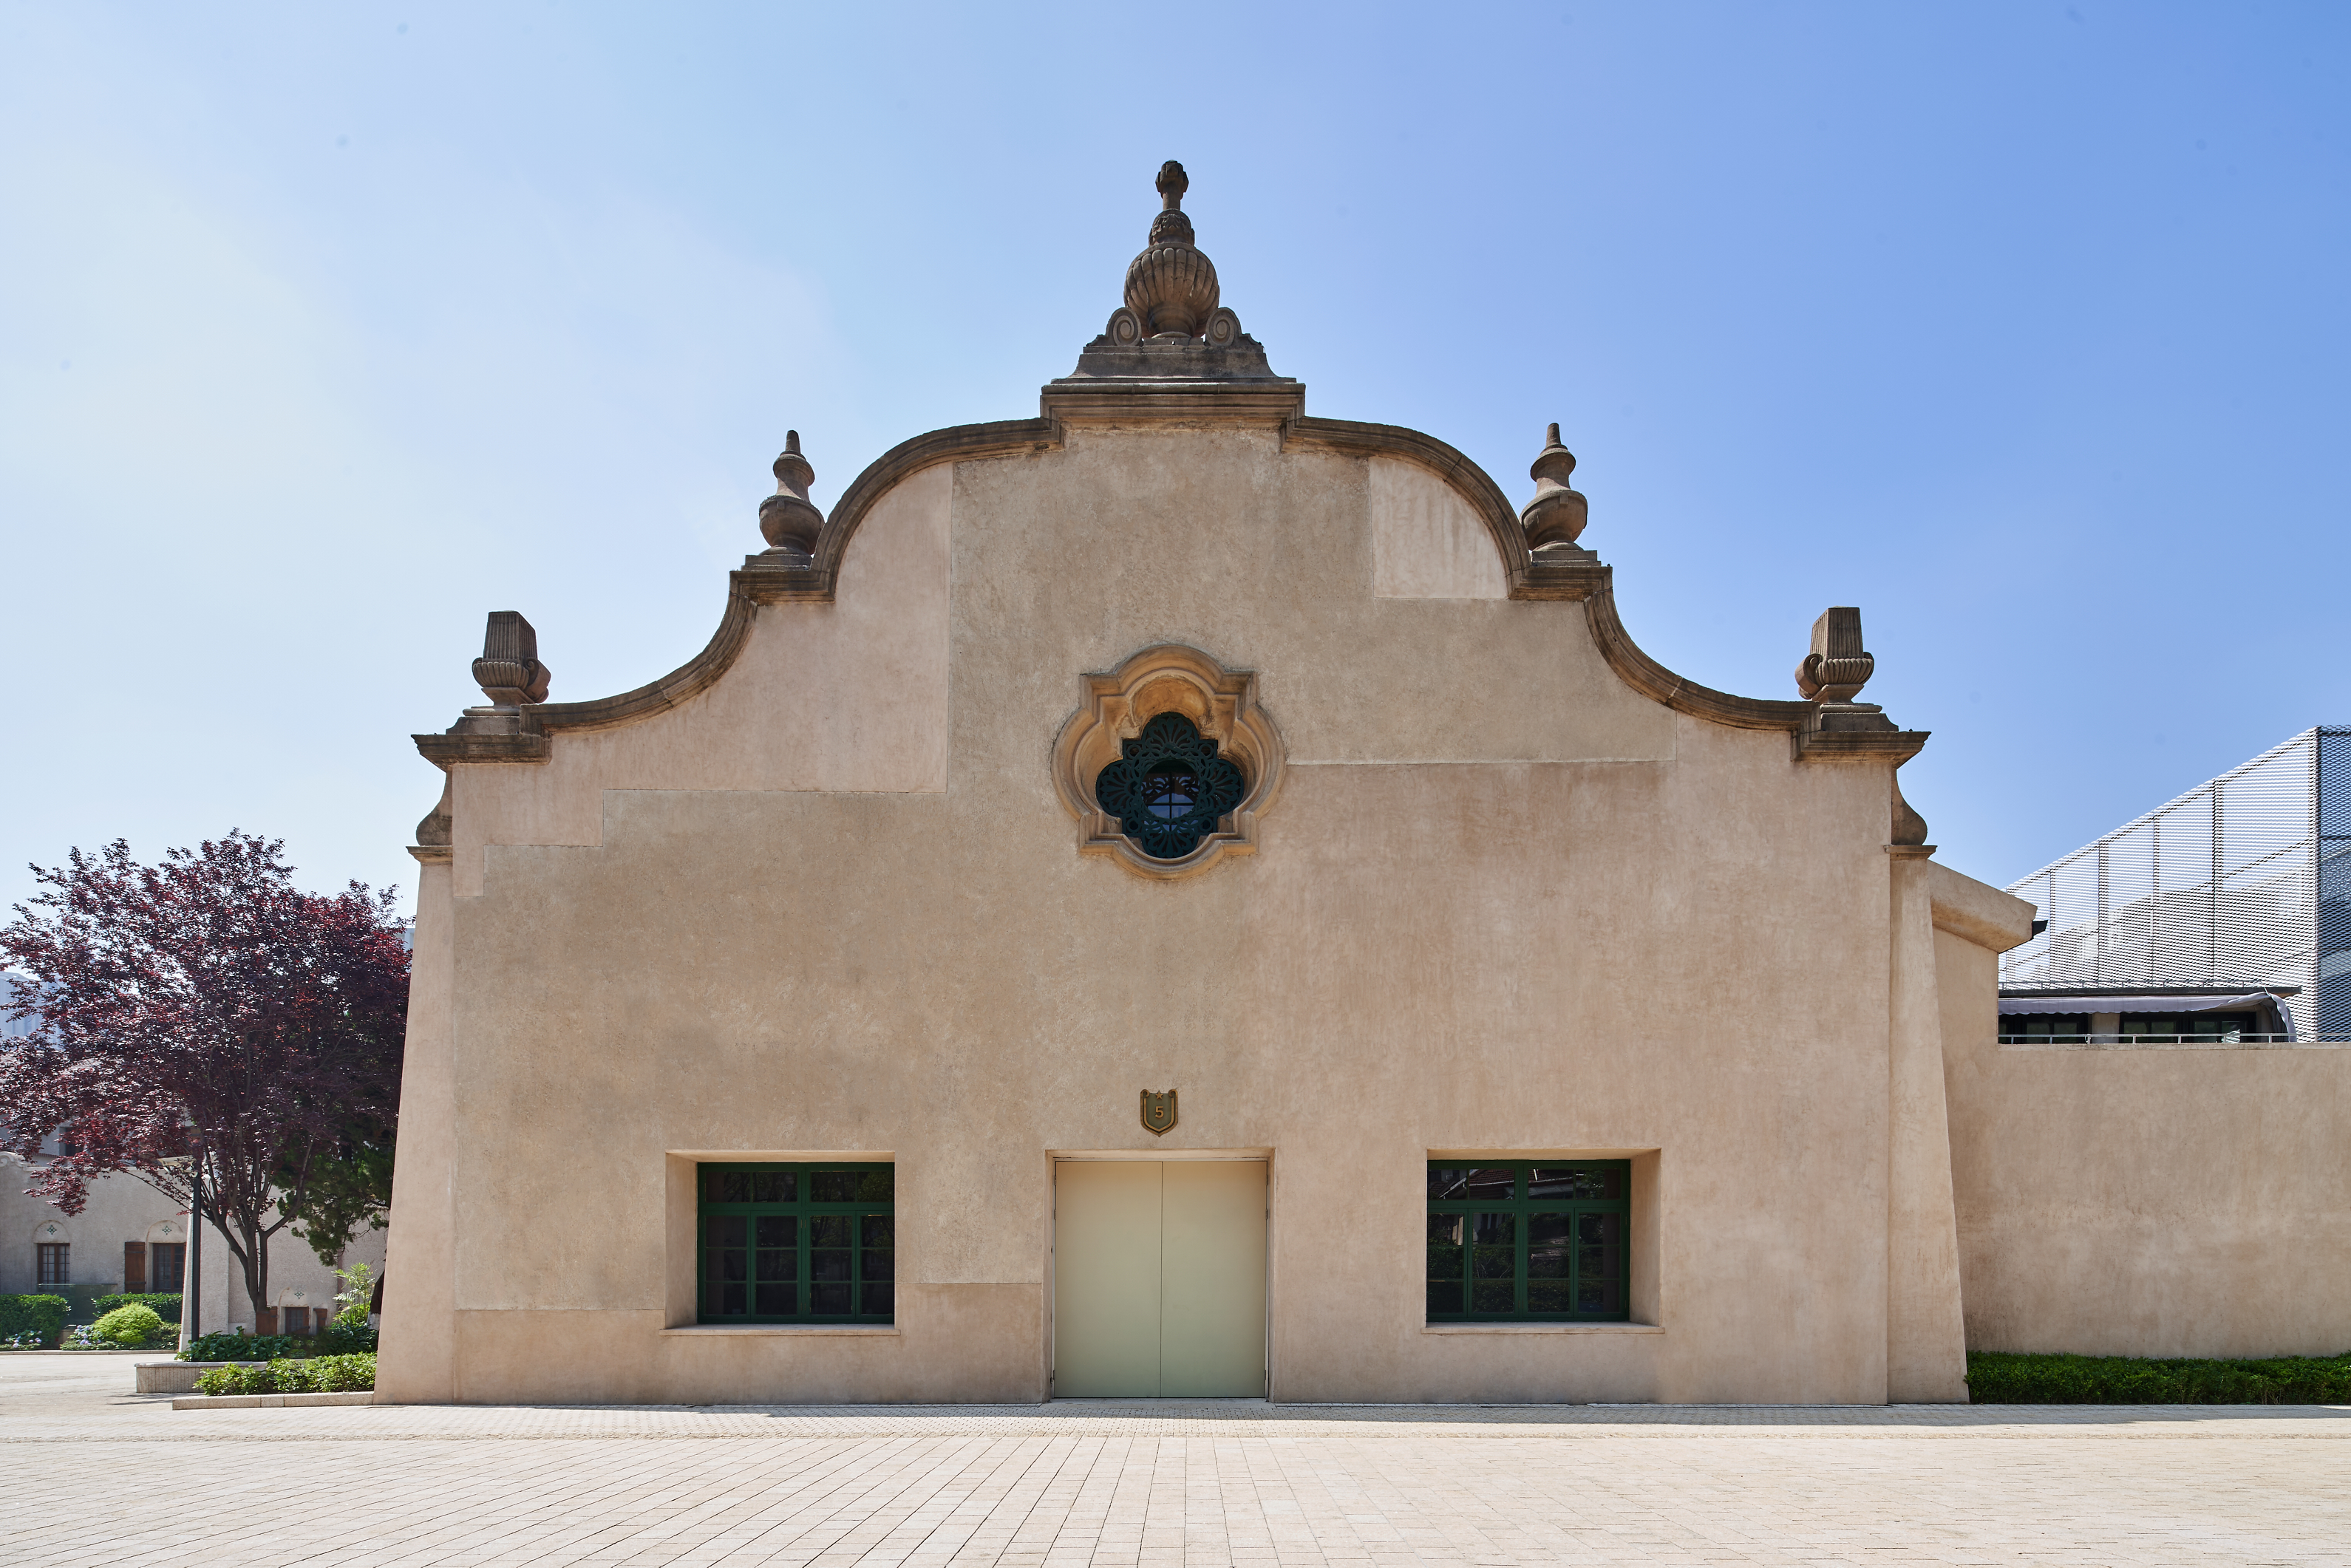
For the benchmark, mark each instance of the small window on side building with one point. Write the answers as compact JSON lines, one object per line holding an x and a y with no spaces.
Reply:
{"x":796,"y":1244}
{"x":56,"y":1262}
{"x":1535,"y":1241}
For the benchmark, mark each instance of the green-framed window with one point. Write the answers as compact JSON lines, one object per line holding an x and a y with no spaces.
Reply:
{"x":1529,"y":1240}
{"x":796,"y":1244}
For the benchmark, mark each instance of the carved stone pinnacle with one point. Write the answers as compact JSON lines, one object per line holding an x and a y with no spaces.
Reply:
{"x":1837,"y":667}
{"x":1557,"y":514}
{"x":788,"y":519}
{"x":1172,"y":286}
{"x":508,"y":671}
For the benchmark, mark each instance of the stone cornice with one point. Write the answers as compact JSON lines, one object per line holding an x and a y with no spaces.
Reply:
{"x":1265,"y":401}
{"x":813,"y":579}
{"x":444,"y":750}
{"x":1653,"y":680}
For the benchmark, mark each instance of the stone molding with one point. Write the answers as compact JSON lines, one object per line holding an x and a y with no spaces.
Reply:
{"x":1977,"y":911}
{"x":1583,"y":576}
{"x":1114,"y":707}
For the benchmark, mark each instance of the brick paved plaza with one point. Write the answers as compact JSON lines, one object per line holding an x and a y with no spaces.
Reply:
{"x":98,"y":1475}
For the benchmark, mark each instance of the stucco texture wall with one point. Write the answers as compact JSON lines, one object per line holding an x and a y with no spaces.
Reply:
{"x":2147,"y":1202}
{"x":1503,"y":904}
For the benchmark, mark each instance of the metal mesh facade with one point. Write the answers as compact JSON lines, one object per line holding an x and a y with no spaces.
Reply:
{"x":2245,"y":879}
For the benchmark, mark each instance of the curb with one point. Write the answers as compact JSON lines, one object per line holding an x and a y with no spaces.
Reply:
{"x":266,"y":1401}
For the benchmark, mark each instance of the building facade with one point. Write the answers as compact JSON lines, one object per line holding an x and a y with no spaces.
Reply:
{"x":1179,"y":896}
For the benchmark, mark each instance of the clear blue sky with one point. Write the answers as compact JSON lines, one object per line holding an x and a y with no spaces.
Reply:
{"x":324,"y":330}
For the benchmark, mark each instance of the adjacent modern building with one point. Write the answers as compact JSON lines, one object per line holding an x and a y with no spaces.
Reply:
{"x":1177,"y":895}
{"x":2242,"y":883}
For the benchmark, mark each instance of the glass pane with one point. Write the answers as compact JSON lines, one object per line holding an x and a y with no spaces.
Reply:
{"x":726,"y":1187}
{"x":1603,"y":1181}
{"x":722,"y":1229}
{"x":728,"y":1263}
{"x":777,"y":1301}
{"x":828,"y":1301}
{"x":773,"y":1187}
{"x":1549,"y":1296}
{"x":731,"y":1300}
{"x":1445,"y":1257}
{"x":1547,"y":1240}
{"x":877,"y":1186}
{"x":877,"y":1230}
{"x":782,"y":1264}
{"x":1452,"y":1184}
{"x":828,"y":1229}
{"x":778,"y":1230}
{"x":1444,"y":1297}
{"x":1605,"y":1297}
{"x":877,"y":1300}
{"x":849,"y":1186}
{"x":1496,"y":1296}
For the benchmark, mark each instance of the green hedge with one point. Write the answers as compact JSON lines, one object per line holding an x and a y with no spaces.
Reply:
{"x":237,"y":1346}
{"x":2002,"y":1378}
{"x":166,"y":1307}
{"x":319,"y":1374}
{"x":43,"y":1317}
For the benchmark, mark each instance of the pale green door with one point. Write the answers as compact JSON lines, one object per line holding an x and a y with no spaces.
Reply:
{"x":1159,"y":1279}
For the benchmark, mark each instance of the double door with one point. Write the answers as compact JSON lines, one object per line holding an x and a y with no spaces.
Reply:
{"x":1159,"y":1279}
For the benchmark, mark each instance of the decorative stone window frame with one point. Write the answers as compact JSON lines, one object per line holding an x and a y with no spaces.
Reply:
{"x":1113,"y":708}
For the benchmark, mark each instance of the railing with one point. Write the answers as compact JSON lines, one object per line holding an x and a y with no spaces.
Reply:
{"x":2229,"y":1040}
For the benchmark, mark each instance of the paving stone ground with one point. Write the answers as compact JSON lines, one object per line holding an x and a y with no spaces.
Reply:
{"x":97,"y":1475}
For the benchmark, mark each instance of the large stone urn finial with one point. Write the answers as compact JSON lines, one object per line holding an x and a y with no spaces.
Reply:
{"x":788,"y":519}
{"x":1557,"y":514}
{"x":1172,"y":288}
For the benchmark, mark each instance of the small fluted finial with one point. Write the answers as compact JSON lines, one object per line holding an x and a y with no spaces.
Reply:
{"x":1837,"y":667}
{"x":1557,"y":514}
{"x":508,"y":671}
{"x":788,"y":519}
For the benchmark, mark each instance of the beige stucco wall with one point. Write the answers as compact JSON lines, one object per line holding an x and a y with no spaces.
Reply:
{"x":1504,"y":905}
{"x":2147,"y":1202}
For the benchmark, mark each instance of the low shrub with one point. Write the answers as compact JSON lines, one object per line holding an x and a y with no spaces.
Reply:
{"x":319,"y":1374}
{"x":28,"y":1322}
{"x":129,"y":1328}
{"x":343,"y":1337}
{"x":1998,"y":1377}
{"x":165,"y":1306}
{"x":235,"y":1345}
{"x":344,"y":1374}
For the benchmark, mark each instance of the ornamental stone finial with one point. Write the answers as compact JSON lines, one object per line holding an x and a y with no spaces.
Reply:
{"x":1557,"y":514}
{"x":1837,"y":667}
{"x":788,"y":519}
{"x":508,"y":671}
{"x":1171,"y":288}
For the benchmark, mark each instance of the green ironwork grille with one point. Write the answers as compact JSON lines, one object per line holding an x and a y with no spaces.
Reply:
{"x":1529,"y":1240}
{"x":1168,"y":787}
{"x":796,"y":1244}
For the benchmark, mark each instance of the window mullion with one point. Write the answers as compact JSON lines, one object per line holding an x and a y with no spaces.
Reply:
{"x":1521,"y":1222}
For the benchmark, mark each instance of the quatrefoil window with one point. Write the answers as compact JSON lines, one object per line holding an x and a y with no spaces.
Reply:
{"x":1169,"y":787}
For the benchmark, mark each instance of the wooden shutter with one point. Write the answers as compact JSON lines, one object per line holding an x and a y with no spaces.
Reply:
{"x":134,"y":1267}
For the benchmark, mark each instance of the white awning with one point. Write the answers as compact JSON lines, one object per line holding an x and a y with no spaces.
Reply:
{"x":2251,"y":1002}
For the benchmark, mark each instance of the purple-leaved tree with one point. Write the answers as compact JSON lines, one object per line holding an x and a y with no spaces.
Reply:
{"x":202,"y":1013}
